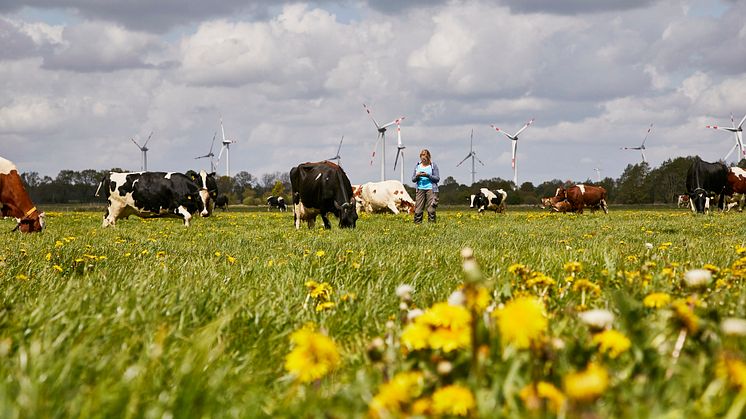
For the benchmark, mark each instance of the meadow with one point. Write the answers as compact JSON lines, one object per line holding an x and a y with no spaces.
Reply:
{"x":631,"y":314}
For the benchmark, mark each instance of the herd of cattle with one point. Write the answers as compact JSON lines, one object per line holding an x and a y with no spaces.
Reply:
{"x":323,"y":188}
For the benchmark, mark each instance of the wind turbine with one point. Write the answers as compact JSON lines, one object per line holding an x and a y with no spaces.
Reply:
{"x":514,"y":139}
{"x":473,"y":156}
{"x":642,"y":146}
{"x":210,"y":155}
{"x":399,"y":151}
{"x":338,"y":158}
{"x":738,"y":131}
{"x":227,"y":148}
{"x":144,"y":149}
{"x":598,"y":173}
{"x":381,"y":138}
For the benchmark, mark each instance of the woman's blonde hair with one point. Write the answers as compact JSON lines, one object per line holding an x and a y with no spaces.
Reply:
{"x":426,"y":152}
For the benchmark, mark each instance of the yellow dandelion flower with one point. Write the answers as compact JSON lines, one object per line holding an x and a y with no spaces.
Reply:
{"x":740,"y":250}
{"x":160,"y":254}
{"x":612,"y":343}
{"x":477,"y":298}
{"x":631,"y":258}
{"x":22,"y":277}
{"x":320,"y":253}
{"x":416,"y":336}
{"x":685,"y":314}
{"x":518,"y":269}
{"x":48,"y":256}
{"x":656,"y":300}
{"x":231,"y":260}
{"x":422,"y":407}
{"x":454,"y":400}
{"x":667,"y":273}
{"x":586,"y":285}
{"x":441,"y":327}
{"x":319,"y":291}
{"x":521,"y":321}
{"x":313,"y":356}
{"x":712,"y":268}
{"x":587,"y":385}
{"x":540,"y":280}
{"x":144,"y":252}
{"x":573,"y":267}
{"x":733,"y":370}
{"x":57,"y":268}
{"x":324,"y":305}
{"x":218,"y":254}
{"x":533,"y":394}
{"x":394,"y":395}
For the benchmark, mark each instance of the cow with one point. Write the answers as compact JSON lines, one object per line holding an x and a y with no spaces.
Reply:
{"x":736,"y":200}
{"x":276,"y":202}
{"x":705,"y":180}
{"x":388,"y":195}
{"x":580,"y":196}
{"x":485,"y":199}
{"x":157,"y":194}
{"x":321,"y":188}
{"x":561,"y":206}
{"x":221,"y":202}
{"x":682,"y":200}
{"x":15,"y":201}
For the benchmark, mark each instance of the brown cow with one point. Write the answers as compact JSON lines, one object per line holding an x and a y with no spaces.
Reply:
{"x":580,"y":196}
{"x":15,"y":202}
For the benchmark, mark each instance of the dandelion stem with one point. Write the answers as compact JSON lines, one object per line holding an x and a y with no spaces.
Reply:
{"x":677,"y":351}
{"x":737,"y":407}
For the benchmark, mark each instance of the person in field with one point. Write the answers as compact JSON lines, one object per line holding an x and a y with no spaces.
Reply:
{"x":426,"y":176}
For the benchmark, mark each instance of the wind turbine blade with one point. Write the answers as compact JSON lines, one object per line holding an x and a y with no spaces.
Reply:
{"x":221,"y":128}
{"x":213,"y":142}
{"x":340,"y":145}
{"x":480,"y":161}
{"x":396,"y":160}
{"x":646,"y":135}
{"x":220,"y":155}
{"x":465,"y":158}
{"x":524,"y":127}
{"x":643,"y":156}
{"x":510,"y":137}
{"x":740,"y":124}
{"x":146,"y":141}
{"x":367,"y":109}
{"x":515,"y":149}
{"x":732,"y":149}
{"x":373,"y":155}
{"x":138,"y":145}
{"x":395,"y":121}
{"x":471,"y":140}
{"x":398,"y":136}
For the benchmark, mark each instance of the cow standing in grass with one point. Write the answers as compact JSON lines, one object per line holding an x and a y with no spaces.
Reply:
{"x":15,"y":202}
{"x":485,"y":199}
{"x":319,"y":189}
{"x":705,"y":180}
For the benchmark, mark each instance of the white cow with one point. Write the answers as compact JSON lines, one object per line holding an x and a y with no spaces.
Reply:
{"x":382,"y":196}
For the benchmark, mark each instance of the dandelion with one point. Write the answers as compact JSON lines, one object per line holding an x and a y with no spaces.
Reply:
{"x":454,"y":400}
{"x":396,"y":394}
{"x":231,"y":260}
{"x":631,"y":259}
{"x":313,"y":356}
{"x":22,"y":277}
{"x":584,"y":285}
{"x":404,"y":292}
{"x":597,"y":319}
{"x":573,"y":267}
{"x":656,"y":300}
{"x":57,"y":268}
{"x":441,"y":327}
{"x":740,"y":250}
{"x":532,"y":395}
{"x":521,"y":321}
{"x":587,"y":385}
{"x":733,"y":327}
{"x":696,"y":278}
{"x":48,"y":256}
{"x":733,"y":370}
{"x":320,"y":253}
{"x":685,"y":314}
{"x":319,"y":291}
{"x":160,"y":254}
{"x":518,"y":269}
{"x":612,"y":343}
{"x":324,"y":305}
{"x":649,"y":246}
{"x":664,"y":246}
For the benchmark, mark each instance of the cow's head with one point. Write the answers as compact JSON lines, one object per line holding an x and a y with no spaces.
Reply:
{"x":406,"y":206}
{"x":208,"y":190}
{"x":699,"y":200}
{"x":562,"y":206}
{"x":478,"y":200}
{"x":347,"y":214}
{"x":32,"y":223}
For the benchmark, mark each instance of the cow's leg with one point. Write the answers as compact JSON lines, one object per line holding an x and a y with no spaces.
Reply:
{"x":184,"y":213}
{"x":296,"y":217}
{"x":691,"y":205}
{"x":113,"y":211}
{"x":604,"y":206}
{"x":325,"y":219}
{"x":311,"y":221}
{"x":392,"y":207}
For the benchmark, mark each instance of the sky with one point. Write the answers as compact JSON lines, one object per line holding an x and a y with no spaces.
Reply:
{"x":80,"y":78}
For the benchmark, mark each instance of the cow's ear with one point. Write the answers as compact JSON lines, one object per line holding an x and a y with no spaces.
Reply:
{"x":212,"y":174}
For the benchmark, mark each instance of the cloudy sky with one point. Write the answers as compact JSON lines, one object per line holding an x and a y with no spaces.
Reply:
{"x":81,"y":77}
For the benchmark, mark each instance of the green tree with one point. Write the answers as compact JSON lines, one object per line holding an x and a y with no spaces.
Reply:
{"x":631,"y":185}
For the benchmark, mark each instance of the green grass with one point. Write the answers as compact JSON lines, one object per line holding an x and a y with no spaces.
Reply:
{"x":150,"y":318}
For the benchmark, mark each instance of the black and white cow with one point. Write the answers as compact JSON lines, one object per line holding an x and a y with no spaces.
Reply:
{"x":485,"y":199}
{"x":705,"y":180}
{"x":276,"y":202}
{"x":157,"y":194}
{"x":321,"y":188}
{"x":221,"y":202}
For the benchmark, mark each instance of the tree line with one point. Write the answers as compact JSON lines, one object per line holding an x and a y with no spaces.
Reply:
{"x":638,"y":184}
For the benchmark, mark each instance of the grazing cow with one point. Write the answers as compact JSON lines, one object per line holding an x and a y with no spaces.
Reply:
{"x":15,"y":202}
{"x":388,"y":195}
{"x":276,"y":202}
{"x":221,"y":202}
{"x":561,"y":206}
{"x":682,"y":200}
{"x":704,"y":180}
{"x":736,"y":200}
{"x":485,"y":199}
{"x":321,"y":188}
{"x":208,"y":188}
{"x":157,"y":194}
{"x":580,"y":196}
{"x":736,"y":184}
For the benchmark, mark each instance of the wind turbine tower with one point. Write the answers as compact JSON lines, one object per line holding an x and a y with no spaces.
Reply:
{"x":473,"y":156}
{"x":382,"y":139}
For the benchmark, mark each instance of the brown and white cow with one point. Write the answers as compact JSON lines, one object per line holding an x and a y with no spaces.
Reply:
{"x":580,"y":196}
{"x":15,"y":201}
{"x":388,"y":195}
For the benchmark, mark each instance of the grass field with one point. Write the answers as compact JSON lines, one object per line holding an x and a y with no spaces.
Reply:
{"x":151,"y":319}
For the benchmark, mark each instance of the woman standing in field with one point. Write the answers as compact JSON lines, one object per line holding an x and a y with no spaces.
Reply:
{"x":426,"y":175}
